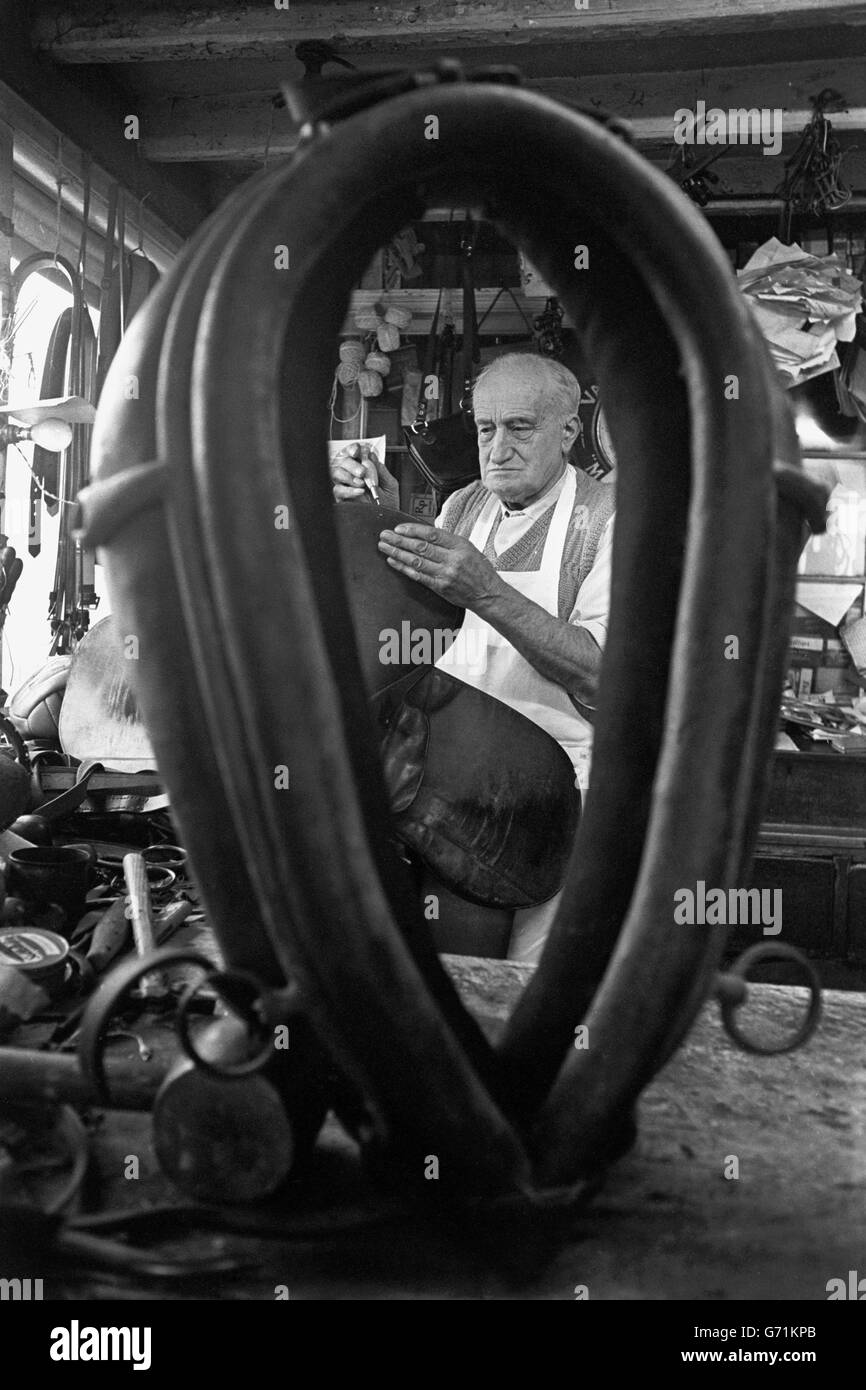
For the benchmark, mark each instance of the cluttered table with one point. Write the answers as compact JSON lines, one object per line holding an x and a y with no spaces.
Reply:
{"x":748,"y":1181}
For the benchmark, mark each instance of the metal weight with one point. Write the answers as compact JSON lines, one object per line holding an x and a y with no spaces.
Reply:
{"x":223,"y":1139}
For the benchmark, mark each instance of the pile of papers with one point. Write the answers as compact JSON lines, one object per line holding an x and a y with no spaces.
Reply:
{"x":826,"y":719}
{"x":804,"y":305}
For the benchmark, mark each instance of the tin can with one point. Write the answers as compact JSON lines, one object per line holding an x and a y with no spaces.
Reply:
{"x":41,"y":955}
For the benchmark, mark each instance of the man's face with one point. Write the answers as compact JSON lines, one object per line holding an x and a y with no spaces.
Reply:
{"x":521,"y":435}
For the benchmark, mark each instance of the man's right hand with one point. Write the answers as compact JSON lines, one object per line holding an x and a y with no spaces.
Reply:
{"x":355,"y":463}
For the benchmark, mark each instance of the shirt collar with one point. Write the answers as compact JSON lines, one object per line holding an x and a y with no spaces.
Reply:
{"x":540,"y":505}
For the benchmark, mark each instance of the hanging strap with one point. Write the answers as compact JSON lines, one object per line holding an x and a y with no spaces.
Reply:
{"x":121,"y":251}
{"x":428,"y":368}
{"x":107,"y":340}
{"x":470,"y":318}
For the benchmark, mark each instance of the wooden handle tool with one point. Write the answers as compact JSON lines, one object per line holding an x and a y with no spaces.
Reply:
{"x":137,"y":887}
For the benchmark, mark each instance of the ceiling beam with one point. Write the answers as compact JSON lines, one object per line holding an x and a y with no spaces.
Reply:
{"x":240,"y":125}
{"x":135,"y":31}
{"x":201,"y":130}
{"x":247,"y":126}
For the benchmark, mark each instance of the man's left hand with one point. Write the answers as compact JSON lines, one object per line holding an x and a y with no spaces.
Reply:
{"x":449,"y":565}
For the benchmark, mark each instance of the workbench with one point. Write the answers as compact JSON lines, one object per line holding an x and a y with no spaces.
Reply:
{"x":666,"y":1225}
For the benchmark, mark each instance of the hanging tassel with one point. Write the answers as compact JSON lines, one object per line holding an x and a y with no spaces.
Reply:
{"x":378,"y":362}
{"x":370,"y":383}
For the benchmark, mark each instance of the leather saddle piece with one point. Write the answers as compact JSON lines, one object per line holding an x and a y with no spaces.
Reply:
{"x":399,"y":625}
{"x":99,"y":717}
{"x":484,"y":796}
{"x":35,"y":707}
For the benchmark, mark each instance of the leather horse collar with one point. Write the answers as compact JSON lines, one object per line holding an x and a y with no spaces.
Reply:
{"x":249,"y":676}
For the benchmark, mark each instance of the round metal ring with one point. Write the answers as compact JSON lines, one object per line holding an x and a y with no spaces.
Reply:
{"x":165,"y":857}
{"x":106,"y":1000}
{"x":160,"y":877}
{"x":252,"y":1064}
{"x":728,"y":1004}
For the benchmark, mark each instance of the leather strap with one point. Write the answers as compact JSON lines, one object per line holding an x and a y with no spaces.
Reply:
{"x":107,"y":339}
{"x":470,"y":317}
{"x":428,"y":369}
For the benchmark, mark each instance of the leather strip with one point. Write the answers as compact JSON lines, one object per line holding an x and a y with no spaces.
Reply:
{"x":104,"y":507}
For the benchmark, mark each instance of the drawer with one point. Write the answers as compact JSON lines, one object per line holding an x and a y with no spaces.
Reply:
{"x":809,"y":909}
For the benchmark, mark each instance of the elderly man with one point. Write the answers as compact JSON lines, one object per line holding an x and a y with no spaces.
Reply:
{"x":526,"y":551}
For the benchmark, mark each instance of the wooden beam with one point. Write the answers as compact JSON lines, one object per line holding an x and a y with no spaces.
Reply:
{"x":503,"y":319}
{"x":134,"y":31}
{"x":653,"y":94}
{"x":242,"y":125}
{"x":247,"y":126}
{"x":238,"y":125}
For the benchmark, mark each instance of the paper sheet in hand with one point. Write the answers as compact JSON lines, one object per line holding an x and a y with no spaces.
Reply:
{"x":376,"y":445}
{"x":829,"y":601}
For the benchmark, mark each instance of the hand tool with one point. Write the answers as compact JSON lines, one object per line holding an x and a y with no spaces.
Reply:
{"x":138,"y":888}
{"x":28,"y":1076}
{"x":110,"y":938}
{"x":223,"y":1140}
{"x":373,"y":489}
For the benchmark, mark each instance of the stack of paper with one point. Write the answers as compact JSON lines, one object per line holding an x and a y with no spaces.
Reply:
{"x":804,"y":305}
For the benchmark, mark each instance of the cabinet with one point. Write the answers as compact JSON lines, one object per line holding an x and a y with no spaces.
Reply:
{"x":812,"y":846}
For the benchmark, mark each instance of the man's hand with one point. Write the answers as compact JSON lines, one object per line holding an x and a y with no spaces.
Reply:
{"x":448,"y":564}
{"x":355,"y":463}
{"x":564,"y":653}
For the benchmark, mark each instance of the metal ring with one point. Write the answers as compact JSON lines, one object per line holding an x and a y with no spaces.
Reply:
{"x":104,"y":1003}
{"x":245,"y":1068}
{"x":165,"y":857}
{"x":731,"y":998}
{"x":160,"y":877}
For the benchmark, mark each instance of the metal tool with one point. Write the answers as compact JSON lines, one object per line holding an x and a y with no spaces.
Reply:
{"x":137,"y":886}
{"x":28,"y":1076}
{"x":222,"y":1140}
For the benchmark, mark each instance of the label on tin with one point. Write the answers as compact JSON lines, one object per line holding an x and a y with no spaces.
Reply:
{"x":30,"y":948}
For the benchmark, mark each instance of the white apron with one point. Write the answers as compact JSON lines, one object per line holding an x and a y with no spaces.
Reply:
{"x":483,"y":658}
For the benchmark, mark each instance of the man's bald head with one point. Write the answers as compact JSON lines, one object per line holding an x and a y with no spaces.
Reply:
{"x":561,"y":387}
{"x":527,"y":422}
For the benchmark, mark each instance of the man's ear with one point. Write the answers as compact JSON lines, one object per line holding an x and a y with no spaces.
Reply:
{"x":570,"y":433}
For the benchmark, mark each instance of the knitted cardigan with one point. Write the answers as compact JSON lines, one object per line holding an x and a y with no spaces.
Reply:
{"x":594,"y":505}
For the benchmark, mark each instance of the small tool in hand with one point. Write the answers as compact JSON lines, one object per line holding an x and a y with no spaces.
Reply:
{"x":372,"y":484}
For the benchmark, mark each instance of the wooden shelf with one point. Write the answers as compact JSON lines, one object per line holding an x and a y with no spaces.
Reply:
{"x":503,"y":321}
